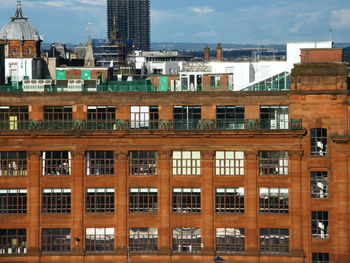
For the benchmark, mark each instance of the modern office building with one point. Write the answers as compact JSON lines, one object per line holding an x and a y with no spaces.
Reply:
{"x":250,"y":176}
{"x":129,"y":19}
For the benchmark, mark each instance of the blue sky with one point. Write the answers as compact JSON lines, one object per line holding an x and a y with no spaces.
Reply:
{"x":198,"y":21}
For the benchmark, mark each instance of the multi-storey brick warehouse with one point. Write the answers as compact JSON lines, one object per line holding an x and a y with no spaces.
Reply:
{"x":178,"y":176}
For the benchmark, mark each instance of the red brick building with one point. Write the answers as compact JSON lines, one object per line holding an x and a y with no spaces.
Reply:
{"x":178,"y":176}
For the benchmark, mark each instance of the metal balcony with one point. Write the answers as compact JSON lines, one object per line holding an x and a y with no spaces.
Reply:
{"x":151,"y":125}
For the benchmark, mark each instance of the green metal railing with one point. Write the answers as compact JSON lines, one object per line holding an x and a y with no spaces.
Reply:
{"x":258,"y":125}
{"x":61,"y":125}
{"x":229,"y":124}
{"x":18,"y":125}
{"x":99,"y":125}
{"x":157,"y":125}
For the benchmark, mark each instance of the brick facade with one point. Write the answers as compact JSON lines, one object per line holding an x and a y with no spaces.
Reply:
{"x":22,"y":49}
{"x":319,"y":99}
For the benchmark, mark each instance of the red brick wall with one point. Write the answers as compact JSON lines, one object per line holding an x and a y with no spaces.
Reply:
{"x":312,"y":55}
{"x":21,"y":48}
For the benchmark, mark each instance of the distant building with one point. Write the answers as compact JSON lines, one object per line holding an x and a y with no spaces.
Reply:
{"x":110,"y":52}
{"x":129,"y":19}
{"x":157,"y":62}
{"x":21,"y":38}
{"x":22,"y":48}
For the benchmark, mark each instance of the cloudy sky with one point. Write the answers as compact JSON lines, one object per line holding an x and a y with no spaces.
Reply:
{"x":210,"y":21}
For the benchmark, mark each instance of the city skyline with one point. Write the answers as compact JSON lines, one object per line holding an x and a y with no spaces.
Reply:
{"x":236,"y":22}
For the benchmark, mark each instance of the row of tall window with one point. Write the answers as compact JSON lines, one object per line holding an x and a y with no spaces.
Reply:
{"x":97,"y":163}
{"x":145,"y":240}
{"x":145,"y":200}
{"x":185,"y":117}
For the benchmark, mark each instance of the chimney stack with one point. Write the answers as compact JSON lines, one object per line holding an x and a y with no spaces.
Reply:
{"x":206,"y":53}
{"x":219,"y":52}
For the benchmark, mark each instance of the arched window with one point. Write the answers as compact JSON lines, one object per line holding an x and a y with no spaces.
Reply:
{"x":28,"y":51}
{"x":318,"y":141}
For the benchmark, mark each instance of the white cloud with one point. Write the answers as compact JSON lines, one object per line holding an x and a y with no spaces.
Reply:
{"x":295,"y":28}
{"x":94,"y":2}
{"x":341,"y":17}
{"x":159,"y":16}
{"x":54,"y":3}
{"x":205,"y":34}
{"x":8,"y":3}
{"x":202,"y":10}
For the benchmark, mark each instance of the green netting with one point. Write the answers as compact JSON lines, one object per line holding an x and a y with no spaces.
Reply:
{"x":10,"y":88}
{"x":135,"y":85}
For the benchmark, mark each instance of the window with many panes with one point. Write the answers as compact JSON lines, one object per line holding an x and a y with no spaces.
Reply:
{"x":230,"y":240}
{"x":143,"y":117}
{"x":274,"y":241}
{"x":215,"y":81}
{"x":142,"y":239}
{"x":13,"y":201}
{"x":320,"y":257}
{"x":99,"y":240}
{"x":319,"y":184}
{"x":100,"y":117}
{"x":186,"y":200}
{"x":273,"y":200}
{"x":14,"y":117}
{"x":143,"y":200}
{"x":318,"y":141}
{"x":186,"y":117}
{"x":58,"y":117}
{"x":273,"y":162}
{"x":99,"y":200}
{"x":99,"y":163}
{"x":319,"y":223}
{"x":13,"y":163}
{"x":143,"y":162}
{"x":230,"y":117}
{"x":13,"y":241}
{"x":58,"y":113}
{"x":274,"y":117}
{"x":56,"y":200}
{"x":55,"y":240}
{"x":229,"y":162}
{"x":186,"y":162}
{"x":187,"y":240}
{"x":230,"y":200}
{"x":56,"y":163}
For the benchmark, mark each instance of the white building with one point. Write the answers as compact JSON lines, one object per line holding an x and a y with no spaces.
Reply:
{"x":245,"y":74}
{"x":157,"y":62}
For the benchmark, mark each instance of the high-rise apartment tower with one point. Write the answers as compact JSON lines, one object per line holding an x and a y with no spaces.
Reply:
{"x":129,"y":19}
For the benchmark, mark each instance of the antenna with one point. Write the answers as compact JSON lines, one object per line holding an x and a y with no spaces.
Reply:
{"x":89,"y":28}
{"x":331,"y":29}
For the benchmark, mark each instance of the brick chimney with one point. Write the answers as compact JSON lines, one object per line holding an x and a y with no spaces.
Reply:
{"x":206,"y":52}
{"x":219,"y":52}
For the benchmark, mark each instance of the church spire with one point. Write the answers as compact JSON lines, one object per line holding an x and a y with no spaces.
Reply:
{"x":19,"y":12}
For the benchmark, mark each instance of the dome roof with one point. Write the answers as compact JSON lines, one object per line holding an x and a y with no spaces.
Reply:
{"x":19,"y":28}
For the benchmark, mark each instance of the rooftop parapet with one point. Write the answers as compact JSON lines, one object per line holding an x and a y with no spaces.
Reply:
{"x":319,"y":76}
